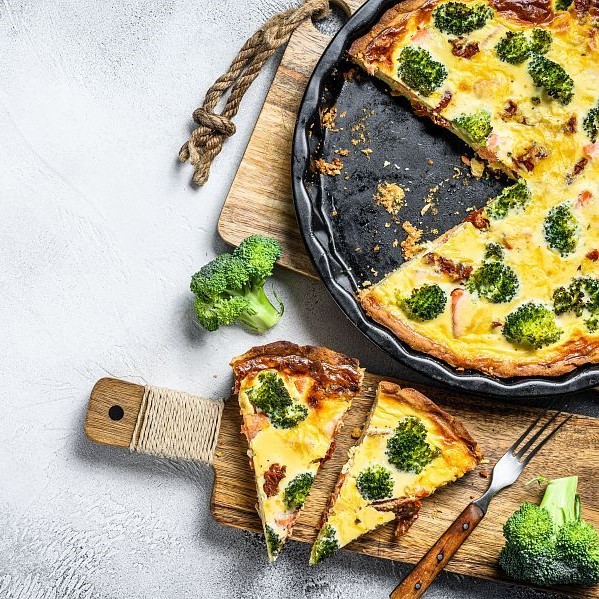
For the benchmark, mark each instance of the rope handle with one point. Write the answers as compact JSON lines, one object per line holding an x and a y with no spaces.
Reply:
{"x":206,"y":140}
{"x":153,"y":420}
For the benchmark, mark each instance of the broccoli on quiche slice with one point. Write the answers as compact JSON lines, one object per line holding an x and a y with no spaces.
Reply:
{"x":292,"y":399}
{"x":409,"y":448}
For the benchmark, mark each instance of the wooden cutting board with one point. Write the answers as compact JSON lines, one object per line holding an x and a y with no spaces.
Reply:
{"x":574,"y":450}
{"x":260,"y":199}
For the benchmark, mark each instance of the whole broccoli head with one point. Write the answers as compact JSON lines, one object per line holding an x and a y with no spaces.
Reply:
{"x":408,"y":448}
{"x":476,"y":126}
{"x":591,"y":123}
{"x":511,"y":198}
{"x":494,"y":281}
{"x":425,"y":303}
{"x":531,"y":325}
{"x":549,"y":544}
{"x":272,"y":398}
{"x":561,"y":229}
{"x":580,"y":297}
{"x":326,"y":545}
{"x":230,"y":289}
{"x":297,"y":491}
{"x":273,"y":542}
{"x":494,"y":251}
{"x":375,"y":483}
{"x":551,"y":76}
{"x":418,"y":70}
{"x":458,"y":18}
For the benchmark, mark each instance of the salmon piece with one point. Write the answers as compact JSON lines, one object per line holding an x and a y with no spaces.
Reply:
{"x":253,"y":424}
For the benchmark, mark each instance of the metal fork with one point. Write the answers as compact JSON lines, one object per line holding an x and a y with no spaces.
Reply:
{"x":505,"y":473}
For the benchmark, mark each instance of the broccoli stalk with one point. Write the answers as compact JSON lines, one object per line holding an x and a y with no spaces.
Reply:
{"x":230,"y":289}
{"x":549,"y":544}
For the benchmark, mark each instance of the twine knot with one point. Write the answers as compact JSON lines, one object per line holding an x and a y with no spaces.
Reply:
{"x":206,"y":140}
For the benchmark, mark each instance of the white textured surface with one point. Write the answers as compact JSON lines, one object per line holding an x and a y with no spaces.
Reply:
{"x":99,"y":234}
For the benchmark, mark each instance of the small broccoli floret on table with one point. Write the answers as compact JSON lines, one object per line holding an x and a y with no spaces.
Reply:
{"x":408,"y":448}
{"x":425,"y":303}
{"x":549,"y":544}
{"x":476,"y":126}
{"x":418,"y":70}
{"x":297,"y":491}
{"x":531,"y":325}
{"x":272,"y":398}
{"x":553,"y":77}
{"x":325,"y":546}
{"x":561,"y":229}
{"x":511,"y":198}
{"x":590,"y":124}
{"x":230,"y":289}
{"x":375,"y":483}
{"x":494,"y":251}
{"x":494,"y":281}
{"x":458,"y":18}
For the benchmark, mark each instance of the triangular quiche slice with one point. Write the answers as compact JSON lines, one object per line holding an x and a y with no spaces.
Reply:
{"x":292,"y":399}
{"x":408,"y":449}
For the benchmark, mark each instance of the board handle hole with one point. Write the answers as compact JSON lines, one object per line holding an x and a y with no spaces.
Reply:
{"x":336,"y":19}
{"x":116,"y":413}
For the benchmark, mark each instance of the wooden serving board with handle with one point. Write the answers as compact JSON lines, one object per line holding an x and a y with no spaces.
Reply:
{"x":495,"y":425}
{"x":260,"y":198}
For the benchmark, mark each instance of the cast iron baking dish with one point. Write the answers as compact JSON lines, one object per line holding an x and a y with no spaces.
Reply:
{"x":349,"y":237}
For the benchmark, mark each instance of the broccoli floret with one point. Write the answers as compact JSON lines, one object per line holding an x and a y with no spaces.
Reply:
{"x":561,"y":229}
{"x":408,"y":448}
{"x":582,"y":295}
{"x":296,"y":492}
{"x":374,"y":483}
{"x":420,"y":71}
{"x":540,"y":41}
{"x":272,"y":398}
{"x":531,"y":325}
{"x":563,"y":4}
{"x":326,"y":545}
{"x":230,"y":289}
{"x":552,"y":76}
{"x":476,"y":126}
{"x":513,"y":47}
{"x":549,"y":544}
{"x":273,"y":542}
{"x":516,"y":47}
{"x":494,"y":281}
{"x":458,"y":18}
{"x":493,"y":251}
{"x":511,"y":198}
{"x":591,"y":123}
{"x":425,"y":303}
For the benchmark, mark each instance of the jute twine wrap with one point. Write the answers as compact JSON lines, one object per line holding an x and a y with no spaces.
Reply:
{"x":206,"y":141}
{"x":174,"y":424}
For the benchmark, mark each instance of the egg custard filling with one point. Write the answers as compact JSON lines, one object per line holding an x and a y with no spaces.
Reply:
{"x":514,"y":290}
{"x":292,"y":399}
{"x":409,"y":448}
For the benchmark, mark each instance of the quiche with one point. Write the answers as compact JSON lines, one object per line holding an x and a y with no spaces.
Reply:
{"x":408,"y":449}
{"x":292,"y":399}
{"x":513,"y":290}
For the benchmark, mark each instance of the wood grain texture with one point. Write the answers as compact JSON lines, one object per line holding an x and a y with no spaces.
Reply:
{"x":260,"y":199}
{"x":493,"y":424}
{"x":107,"y":393}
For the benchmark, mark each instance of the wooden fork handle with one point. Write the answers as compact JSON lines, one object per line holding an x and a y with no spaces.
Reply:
{"x":414,"y":585}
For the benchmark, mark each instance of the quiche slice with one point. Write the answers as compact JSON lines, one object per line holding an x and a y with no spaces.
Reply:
{"x":514,"y":290}
{"x":408,"y":449}
{"x":292,"y":399}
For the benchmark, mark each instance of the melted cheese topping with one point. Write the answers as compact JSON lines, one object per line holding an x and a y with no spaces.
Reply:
{"x":352,"y":515}
{"x":300,"y":449}
{"x":485,"y":82}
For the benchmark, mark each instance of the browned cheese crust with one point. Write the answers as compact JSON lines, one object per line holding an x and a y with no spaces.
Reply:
{"x":568,"y":357}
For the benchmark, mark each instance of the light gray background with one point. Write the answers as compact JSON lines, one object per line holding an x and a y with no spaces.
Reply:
{"x":99,"y":234}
